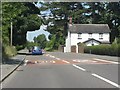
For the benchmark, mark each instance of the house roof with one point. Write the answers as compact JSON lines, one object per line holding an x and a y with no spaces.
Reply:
{"x":89,"y":28}
{"x":92,"y":39}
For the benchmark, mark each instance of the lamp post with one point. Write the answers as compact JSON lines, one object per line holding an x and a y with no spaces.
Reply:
{"x":11,"y":33}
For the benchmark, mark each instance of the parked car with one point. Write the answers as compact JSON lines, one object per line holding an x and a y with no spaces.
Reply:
{"x":37,"y":50}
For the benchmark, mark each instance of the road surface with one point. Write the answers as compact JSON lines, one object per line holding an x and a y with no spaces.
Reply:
{"x":64,"y":70}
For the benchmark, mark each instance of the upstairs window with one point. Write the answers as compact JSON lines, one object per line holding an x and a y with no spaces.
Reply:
{"x":79,"y":35}
{"x":90,"y":34}
{"x":100,"y":35}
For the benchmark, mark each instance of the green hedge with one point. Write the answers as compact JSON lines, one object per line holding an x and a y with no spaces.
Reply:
{"x":112,"y":50}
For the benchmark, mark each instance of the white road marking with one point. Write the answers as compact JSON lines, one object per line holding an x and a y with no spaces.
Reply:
{"x":74,"y":60}
{"x":79,"y":67}
{"x":94,"y":61}
{"x":65,"y":61}
{"x":106,"y":80}
{"x":53,"y":56}
{"x":85,"y":60}
{"x":58,"y":58}
{"x":53,"y":61}
{"x":106,"y":61}
{"x":25,"y":62}
{"x":35,"y":62}
{"x":78,"y":61}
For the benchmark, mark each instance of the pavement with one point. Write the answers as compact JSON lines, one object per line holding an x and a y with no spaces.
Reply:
{"x":11,"y":65}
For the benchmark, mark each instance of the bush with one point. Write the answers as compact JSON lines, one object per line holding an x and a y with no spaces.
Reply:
{"x":111,"y":50}
{"x":9,"y":51}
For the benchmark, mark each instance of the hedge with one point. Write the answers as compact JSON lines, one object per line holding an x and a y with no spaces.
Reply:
{"x":112,"y":50}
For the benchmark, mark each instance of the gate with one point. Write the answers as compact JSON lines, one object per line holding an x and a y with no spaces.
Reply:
{"x":80,"y":48}
{"x":73,"y":49}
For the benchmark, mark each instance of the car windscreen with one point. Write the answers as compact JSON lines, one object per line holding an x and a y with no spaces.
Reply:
{"x":37,"y":48}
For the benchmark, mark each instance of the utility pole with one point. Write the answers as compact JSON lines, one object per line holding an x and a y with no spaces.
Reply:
{"x":11,"y":33}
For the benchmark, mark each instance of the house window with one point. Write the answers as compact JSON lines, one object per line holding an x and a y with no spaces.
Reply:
{"x":90,"y":34}
{"x":100,"y":35}
{"x":79,"y":35}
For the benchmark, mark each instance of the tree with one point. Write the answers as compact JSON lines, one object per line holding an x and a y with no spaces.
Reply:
{"x":41,"y":40}
{"x":24,"y":17}
{"x":108,"y":13}
{"x":57,"y":24}
{"x":81,"y":13}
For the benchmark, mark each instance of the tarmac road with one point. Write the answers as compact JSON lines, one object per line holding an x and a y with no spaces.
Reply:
{"x":64,"y":70}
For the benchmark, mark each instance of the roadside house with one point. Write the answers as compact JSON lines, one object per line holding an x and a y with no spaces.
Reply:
{"x":89,"y":34}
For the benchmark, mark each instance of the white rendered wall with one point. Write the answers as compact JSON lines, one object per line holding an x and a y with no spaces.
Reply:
{"x":85,"y":37}
{"x":90,"y":43}
{"x":72,"y":39}
{"x":67,"y":47}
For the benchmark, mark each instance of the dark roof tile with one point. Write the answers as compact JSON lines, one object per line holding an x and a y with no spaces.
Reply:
{"x":89,"y":28}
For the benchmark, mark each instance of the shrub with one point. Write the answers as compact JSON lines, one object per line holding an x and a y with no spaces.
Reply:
{"x":111,"y":50}
{"x":10,"y":51}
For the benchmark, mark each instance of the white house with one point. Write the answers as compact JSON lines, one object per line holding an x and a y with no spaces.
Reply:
{"x":89,"y":34}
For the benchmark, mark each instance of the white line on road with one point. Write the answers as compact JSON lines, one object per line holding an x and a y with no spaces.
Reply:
{"x":53,"y":56}
{"x":79,"y":67}
{"x":106,"y":61}
{"x":25,"y":62}
{"x":53,"y":61}
{"x":106,"y":80}
{"x":35,"y":62}
{"x":75,"y":60}
{"x":58,"y":58}
{"x":65,"y":61}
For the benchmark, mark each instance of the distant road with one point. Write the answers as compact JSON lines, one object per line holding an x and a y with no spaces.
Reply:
{"x":64,"y":70}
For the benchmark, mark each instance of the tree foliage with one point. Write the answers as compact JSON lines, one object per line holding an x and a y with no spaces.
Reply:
{"x":24,"y":18}
{"x":57,"y":24}
{"x":81,"y":13}
{"x":40,"y":40}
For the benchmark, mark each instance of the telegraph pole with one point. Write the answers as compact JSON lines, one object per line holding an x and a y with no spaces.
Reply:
{"x":11,"y":33}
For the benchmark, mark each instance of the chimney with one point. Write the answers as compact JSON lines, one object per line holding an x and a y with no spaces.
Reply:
{"x":70,"y":21}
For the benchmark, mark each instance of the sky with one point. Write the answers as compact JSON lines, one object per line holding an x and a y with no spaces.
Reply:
{"x":32,"y":34}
